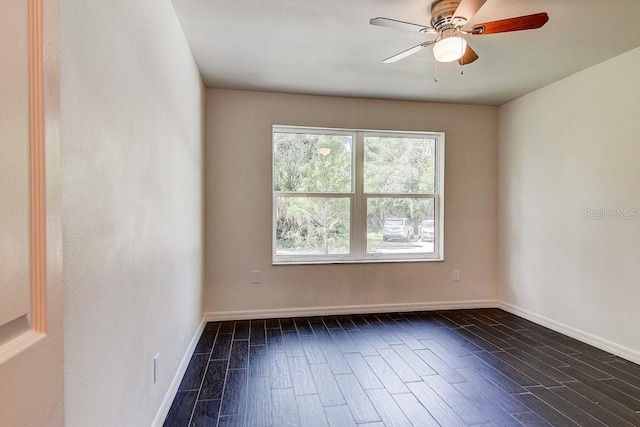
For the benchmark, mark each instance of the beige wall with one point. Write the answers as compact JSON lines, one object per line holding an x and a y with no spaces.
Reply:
{"x":238,"y":206}
{"x":564,"y":149}
{"x":132,"y":132}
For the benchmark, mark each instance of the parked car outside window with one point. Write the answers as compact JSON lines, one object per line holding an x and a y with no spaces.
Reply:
{"x":397,"y":228}
{"x":426,"y":232}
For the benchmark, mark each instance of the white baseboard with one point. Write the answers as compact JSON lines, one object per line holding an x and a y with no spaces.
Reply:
{"x":601,"y":343}
{"x":177,"y":378}
{"x":346,"y":309}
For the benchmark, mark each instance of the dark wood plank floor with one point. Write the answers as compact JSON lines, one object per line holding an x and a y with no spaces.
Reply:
{"x":448,"y":368}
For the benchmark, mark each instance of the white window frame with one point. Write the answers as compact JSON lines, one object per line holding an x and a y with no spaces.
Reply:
{"x":358,"y":200}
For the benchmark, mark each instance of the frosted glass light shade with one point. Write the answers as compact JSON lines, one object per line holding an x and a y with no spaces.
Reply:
{"x":449,"y":49}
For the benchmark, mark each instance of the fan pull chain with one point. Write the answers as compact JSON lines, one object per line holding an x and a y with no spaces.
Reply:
{"x":461,"y":57}
{"x":435,"y":73}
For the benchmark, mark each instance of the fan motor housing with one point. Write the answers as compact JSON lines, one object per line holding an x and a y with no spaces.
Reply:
{"x":442,"y":15}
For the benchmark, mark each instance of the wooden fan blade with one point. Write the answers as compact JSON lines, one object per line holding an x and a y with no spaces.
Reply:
{"x":469,"y":56}
{"x":527,"y":22}
{"x":401,"y":25}
{"x":404,"y":54}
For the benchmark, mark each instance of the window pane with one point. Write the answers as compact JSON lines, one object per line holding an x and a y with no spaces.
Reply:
{"x":399,"y":165}
{"x":398,"y":225}
{"x":313,"y":225}
{"x":312,"y":163}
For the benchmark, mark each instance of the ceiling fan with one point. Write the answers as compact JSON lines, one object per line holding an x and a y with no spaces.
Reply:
{"x":448,"y":20}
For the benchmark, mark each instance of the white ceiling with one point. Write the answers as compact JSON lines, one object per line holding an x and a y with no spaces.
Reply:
{"x":328,"y":47}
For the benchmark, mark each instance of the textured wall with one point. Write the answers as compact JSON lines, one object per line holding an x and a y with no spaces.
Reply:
{"x":238,"y":205}
{"x":132,"y":132}
{"x":569,"y":154}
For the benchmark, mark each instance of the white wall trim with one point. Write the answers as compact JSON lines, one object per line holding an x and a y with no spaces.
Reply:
{"x":601,"y":343}
{"x":346,"y":309}
{"x":158,"y":421}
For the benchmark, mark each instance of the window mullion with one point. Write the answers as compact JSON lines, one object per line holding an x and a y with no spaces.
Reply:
{"x":360,"y":216}
{"x":403,"y":195}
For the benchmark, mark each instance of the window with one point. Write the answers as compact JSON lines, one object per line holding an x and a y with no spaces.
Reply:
{"x":357,"y":196}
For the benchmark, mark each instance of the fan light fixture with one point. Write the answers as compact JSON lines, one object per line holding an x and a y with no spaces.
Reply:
{"x":450,"y":47}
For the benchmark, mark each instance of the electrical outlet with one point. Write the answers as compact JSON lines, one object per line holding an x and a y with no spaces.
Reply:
{"x":256,"y":277}
{"x":156,"y":368}
{"x":456,"y":275}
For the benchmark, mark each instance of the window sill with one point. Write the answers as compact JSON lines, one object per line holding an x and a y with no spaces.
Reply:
{"x":365,"y":261}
